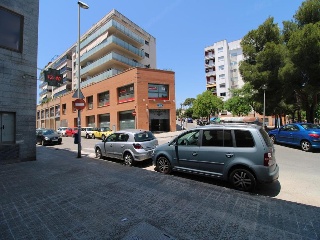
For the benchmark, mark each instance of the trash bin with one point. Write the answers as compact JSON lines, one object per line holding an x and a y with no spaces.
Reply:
{"x":76,"y":138}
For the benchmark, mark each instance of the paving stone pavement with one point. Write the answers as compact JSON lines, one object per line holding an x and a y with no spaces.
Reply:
{"x":60,"y":196}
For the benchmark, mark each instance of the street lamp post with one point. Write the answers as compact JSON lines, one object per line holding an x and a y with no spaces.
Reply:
{"x":264,"y":88}
{"x":84,"y":6}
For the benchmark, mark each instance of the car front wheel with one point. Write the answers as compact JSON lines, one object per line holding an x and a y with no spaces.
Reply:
{"x":87,"y":136}
{"x":164,"y":165}
{"x":243,"y":180}
{"x":98,"y":153}
{"x":305,"y":145}
{"x":93,"y":136}
{"x":43,"y":143}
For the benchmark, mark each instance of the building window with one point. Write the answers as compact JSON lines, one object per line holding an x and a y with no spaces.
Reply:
{"x":233,"y":63}
{"x":7,"y":129}
{"x":38,"y":115}
{"x":146,"y":54}
{"x":146,"y":42}
{"x":90,"y":102}
{"x":11,"y":33}
{"x":220,"y":59}
{"x":220,"y":49}
{"x":222,"y":85}
{"x":158,"y":91}
{"x":223,"y":94}
{"x":221,"y":67}
{"x":104,"y":99}
{"x":126,"y":94}
{"x":234,"y":54}
{"x":64,"y":109}
{"x":222,"y":76}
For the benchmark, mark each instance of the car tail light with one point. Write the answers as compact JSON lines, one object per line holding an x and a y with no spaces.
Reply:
{"x":314,"y":135}
{"x":267,"y":159}
{"x":137,"y":146}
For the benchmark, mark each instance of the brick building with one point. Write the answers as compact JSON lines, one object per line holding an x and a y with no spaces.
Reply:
{"x":148,"y":92}
{"x":18,"y":81}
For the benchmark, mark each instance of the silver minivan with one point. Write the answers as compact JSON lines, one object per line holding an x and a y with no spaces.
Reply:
{"x":242,"y":154}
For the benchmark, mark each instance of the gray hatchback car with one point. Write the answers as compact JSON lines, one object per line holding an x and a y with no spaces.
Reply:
{"x":129,"y":145}
{"x":242,"y":154}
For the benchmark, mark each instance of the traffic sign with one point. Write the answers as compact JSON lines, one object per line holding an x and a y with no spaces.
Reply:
{"x":79,"y":104}
{"x":134,"y":113}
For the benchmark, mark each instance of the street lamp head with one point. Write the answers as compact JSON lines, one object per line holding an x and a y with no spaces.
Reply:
{"x":83,"y":5}
{"x":264,"y":87}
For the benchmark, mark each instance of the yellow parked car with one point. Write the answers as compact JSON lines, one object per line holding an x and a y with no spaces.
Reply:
{"x":102,"y":133}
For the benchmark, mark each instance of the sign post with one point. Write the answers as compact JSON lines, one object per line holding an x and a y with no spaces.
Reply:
{"x":79,"y":104}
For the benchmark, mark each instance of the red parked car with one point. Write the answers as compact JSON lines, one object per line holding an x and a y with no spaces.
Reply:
{"x":71,"y":131}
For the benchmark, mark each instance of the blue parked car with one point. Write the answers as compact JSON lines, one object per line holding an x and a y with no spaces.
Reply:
{"x":305,"y":135}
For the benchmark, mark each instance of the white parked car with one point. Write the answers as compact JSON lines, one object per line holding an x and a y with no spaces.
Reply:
{"x":62,"y":131}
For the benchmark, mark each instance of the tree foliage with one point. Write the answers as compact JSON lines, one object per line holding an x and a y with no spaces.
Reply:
{"x":188,"y":102}
{"x":206,"y":104}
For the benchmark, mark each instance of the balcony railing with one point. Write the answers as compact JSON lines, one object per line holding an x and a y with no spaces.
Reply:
{"x":100,"y":77}
{"x":43,"y":84}
{"x":43,"y":92}
{"x":108,"y":57}
{"x":108,"y":41}
{"x":212,"y":73}
{"x":115,"y":24}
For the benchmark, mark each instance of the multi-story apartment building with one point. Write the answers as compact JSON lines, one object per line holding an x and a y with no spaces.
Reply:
{"x":222,"y":67}
{"x":109,"y":47}
{"x":121,"y":86}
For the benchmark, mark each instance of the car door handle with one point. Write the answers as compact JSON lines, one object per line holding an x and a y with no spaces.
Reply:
{"x":194,"y":154}
{"x":229,"y":155}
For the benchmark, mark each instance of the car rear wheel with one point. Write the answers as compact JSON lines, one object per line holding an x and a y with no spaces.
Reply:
{"x":305,"y":145}
{"x":243,"y":180}
{"x":98,"y":153}
{"x":164,"y":165}
{"x":128,"y":159}
{"x":93,"y":136}
{"x":273,"y":138}
{"x":43,"y":143}
{"x":87,"y":136}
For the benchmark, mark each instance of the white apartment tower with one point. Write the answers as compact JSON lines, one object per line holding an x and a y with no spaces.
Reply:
{"x":111,"y":46}
{"x":222,"y":67}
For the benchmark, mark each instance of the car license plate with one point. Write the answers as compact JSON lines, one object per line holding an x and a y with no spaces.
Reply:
{"x":55,"y":140}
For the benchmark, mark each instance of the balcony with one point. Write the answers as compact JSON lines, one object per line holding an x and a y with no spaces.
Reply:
{"x":109,"y":44}
{"x":104,"y":61}
{"x":43,"y":92}
{"x":43,"y":84}
{"x":100,"y":77}
{"x":210,"y":56}
{"x":211,"y":83}
{"x":109,"y":26}
{"x":211,"y":73}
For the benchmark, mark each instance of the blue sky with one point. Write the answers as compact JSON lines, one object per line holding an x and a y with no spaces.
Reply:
{"x":182,"y":28}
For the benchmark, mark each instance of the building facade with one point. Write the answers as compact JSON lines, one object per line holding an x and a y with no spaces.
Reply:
{"x":109,"y":47}
{"x":18,"y":79}
{"x":136,"y":98}
{"x":222,"y":67}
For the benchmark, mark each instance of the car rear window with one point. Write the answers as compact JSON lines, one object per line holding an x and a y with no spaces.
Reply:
{"x":265,"y":137}
{"x":144,"y":136}
{"x":243,"y":138}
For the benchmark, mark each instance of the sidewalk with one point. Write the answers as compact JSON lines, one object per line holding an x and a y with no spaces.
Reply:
{"x":62,"y":197}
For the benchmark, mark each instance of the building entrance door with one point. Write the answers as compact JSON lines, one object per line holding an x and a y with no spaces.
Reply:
{"x":7,"y":127}
{"x":159,"y":120}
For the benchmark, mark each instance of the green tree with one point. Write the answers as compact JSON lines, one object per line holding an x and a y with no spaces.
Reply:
{"x":188,"y":102}
{"x":240,"y":103}
{"x":206,"y":104}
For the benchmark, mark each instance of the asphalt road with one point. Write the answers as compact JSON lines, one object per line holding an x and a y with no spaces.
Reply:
{"x":298,"y":181}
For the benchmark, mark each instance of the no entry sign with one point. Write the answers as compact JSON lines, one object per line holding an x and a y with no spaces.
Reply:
{"x":79,"y":104}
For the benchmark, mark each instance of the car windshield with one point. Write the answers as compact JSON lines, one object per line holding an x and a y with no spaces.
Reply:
{"x":143,"y":136}
{"x":48,"y":132}
{"x":105,"y":129}
{"x":310,"y":126}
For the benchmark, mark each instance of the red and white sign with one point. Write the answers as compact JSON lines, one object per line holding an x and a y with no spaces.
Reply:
{"x":79,"y":104}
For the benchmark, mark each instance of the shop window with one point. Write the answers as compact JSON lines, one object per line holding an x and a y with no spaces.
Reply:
{"x":64,"y":109}
{"x":104,"y":99}
{"x":126,"y":94}
{"x":158,"y":91}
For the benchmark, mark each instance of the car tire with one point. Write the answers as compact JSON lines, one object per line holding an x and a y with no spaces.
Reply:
{"x":305,"y":145}
{"x":128,"y":159}
{"x":273,"y":138}
{"x":87,"y":136}
{"x":163,"y":165}
{"x":243,"y":180}
{"x":93,"y":136}
{"x":98,"y":153}
{"x":43,"y":143}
